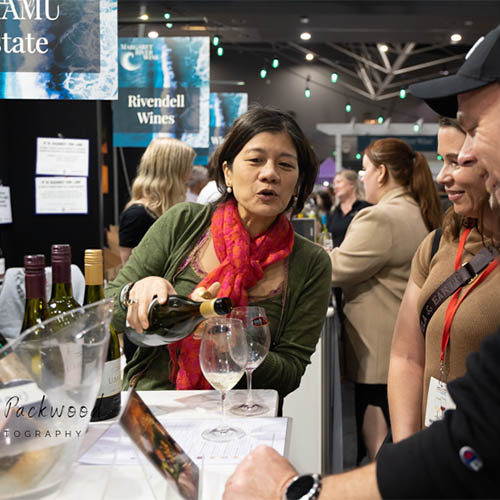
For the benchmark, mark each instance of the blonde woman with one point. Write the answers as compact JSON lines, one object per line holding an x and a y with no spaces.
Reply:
{"x":161,"y":182}
{"x":349,"y":191}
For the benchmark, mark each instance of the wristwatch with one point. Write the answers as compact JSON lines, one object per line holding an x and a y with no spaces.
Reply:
{"x":303,"y":487}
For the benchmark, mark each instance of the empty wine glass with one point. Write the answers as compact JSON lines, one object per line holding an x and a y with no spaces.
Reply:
{"x":258,"y":338}
{"x":223,"y":357}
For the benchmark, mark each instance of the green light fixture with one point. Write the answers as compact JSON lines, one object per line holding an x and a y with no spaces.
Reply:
{"x":220,"y":51}
{"x":334,"y":77}
{"x":216,"y":40}
{"x":402,"y":93}
{"x":275,"y":63}
{"x":263,"y":73}
{"x":348,"y":108}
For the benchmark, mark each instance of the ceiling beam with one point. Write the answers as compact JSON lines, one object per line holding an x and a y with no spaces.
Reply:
{"x":359,"y":58}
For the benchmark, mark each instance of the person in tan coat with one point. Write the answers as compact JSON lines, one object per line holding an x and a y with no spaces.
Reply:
{"x":372,"y":266}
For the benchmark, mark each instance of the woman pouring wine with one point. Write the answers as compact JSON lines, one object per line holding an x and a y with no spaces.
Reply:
{"x":243,"y":247}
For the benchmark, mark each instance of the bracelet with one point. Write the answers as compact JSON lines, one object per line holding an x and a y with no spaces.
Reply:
{"x":125,"y":300}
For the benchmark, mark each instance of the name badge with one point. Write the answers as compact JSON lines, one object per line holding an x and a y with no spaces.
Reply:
{"x":438,"y":401}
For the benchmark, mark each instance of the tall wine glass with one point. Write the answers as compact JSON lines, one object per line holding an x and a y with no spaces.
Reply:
{"x":223,"y":357}
{"x":258,"y":338}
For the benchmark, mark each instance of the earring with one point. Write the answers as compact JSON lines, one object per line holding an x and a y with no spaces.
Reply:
{"x":229,"y":190}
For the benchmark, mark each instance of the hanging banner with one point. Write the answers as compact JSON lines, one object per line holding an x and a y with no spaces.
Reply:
{"x":58,"y":49}
{"x":225,"y":107}
{"x":164,"y":91}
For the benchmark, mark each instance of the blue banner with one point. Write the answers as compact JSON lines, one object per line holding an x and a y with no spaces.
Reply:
{"x":58,"y":49}
{"x":225,"y":107}
{"x":164,"y":91}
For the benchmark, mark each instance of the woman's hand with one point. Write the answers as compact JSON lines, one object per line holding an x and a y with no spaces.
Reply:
{"x":141,"y":295}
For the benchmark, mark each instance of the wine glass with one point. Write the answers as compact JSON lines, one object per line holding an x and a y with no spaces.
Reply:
{"x":258,"y":338}
{"x":223,"y":357}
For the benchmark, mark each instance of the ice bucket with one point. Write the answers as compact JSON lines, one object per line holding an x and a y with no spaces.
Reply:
{"x":49,"y":379}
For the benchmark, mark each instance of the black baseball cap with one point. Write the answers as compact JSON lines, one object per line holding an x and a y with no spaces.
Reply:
{"x":481,"y":67}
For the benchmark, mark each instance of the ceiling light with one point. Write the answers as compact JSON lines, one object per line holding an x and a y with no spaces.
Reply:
{"x":402,"y":93}
{"x":275,"y":63}
{"x":456,"y":37}
{"x":304,"y":19}
{"x":307,"y":92}
{"x":144,"y":17}
{"x":305,"y":36}
{"x":309,"y":56}
{"x":169,"y":25}
{"x":358,"y":156}
{"x":348,"y":108}
{"x":215,"y":40}
{"x":220,"y":51}
{"x":383,"y":47}
{"x":334,"y":77}
{"x":380,"y":119}
{"x":167,"y":15}
{"x":263,"y":73}
{"x":153,"y":34}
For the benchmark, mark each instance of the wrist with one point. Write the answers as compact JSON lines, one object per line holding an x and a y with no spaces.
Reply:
{"x":302,"y":487}
{"x":124,"y":298}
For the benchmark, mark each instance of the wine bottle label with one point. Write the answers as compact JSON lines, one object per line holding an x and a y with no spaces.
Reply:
{"x":111,"y":379}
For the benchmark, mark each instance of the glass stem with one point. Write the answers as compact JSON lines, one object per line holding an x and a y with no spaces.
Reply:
{"x":223,"y":426}
{"x":249,"y":401}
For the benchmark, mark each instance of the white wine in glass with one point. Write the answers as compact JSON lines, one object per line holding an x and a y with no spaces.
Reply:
{"x":223,"y":357}
{"x":258,"y":338}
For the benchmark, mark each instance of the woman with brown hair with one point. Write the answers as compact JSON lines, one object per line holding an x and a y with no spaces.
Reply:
{"x":422,"y":364}
{"x":372,"y":266}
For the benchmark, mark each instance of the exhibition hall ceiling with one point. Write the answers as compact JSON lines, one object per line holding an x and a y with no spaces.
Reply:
{"x":347,"y":37}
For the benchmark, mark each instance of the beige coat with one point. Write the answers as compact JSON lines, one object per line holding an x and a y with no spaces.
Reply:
{"x":372,"y":266}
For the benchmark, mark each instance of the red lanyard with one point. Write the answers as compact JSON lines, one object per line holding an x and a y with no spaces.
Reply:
{"x":455,"y":302}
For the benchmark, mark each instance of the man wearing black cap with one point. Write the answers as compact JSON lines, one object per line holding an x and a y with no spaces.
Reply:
{"x":459,"y":456}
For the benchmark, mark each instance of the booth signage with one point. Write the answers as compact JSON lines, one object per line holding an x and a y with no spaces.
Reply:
{"x":164,"y":91}
{"x":58,"y":49}
{"x":417,"y":142}
{"x":225,"y":107}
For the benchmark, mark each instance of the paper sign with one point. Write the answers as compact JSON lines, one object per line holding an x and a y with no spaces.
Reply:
{"x":62,"y":156}
{"x":5,"y":207}
{"x":61,"y":195}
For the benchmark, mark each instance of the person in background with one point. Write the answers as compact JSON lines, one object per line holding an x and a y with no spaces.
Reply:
{"x":196,"y":182}
{"x":210,"y":192}
{"x":416,"y":363}
{"x":459,"y":456}
{"x":372,"y":266}
{"x":243,"y":247}
{"x":349,"y":193}
{"x":160,"y":183}
{"x":323,"y":203}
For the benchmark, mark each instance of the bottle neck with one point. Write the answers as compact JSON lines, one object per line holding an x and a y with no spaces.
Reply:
{"x":61,"y":272}
{"x":93,"y":293}
{"x":35,"y":286}
{"x":60,"y":290}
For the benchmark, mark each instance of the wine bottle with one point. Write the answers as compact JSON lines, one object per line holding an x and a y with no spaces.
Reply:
{"x":176,"y":319}
{"x":108,"y":400}
{"x":35,"y":309}
{"x":61,"y":299}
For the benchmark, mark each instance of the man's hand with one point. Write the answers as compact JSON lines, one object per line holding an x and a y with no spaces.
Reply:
{"x":263,"y":475}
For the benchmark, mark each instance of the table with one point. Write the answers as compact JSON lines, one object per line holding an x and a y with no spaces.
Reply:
{"x":112,"y":481}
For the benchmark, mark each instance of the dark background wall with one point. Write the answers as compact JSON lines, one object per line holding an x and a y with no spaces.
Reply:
{"x":22,"y":121}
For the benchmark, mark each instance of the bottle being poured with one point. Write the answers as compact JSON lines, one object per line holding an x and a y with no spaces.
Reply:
{"x":174,"y":320}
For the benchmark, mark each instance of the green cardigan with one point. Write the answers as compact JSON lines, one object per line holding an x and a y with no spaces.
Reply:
{"x":295,"y":325}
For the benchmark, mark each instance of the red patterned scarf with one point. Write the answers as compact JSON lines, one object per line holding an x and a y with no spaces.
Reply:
{"x":242,"y":263}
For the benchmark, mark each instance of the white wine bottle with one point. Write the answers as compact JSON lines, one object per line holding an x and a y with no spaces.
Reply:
{"x":108,"y":400}
{"x":176,"y":319}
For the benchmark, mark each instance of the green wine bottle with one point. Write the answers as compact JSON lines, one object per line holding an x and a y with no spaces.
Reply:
{"x":176,"y":319}
{"x":61,"y":299}
{"x":35,"y":309}
{"x":108,"y":400}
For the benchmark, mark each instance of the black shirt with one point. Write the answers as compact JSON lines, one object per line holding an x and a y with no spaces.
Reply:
{"x":429,"y":464}
{"x":134,"y":223}
{"x":338,"y":223}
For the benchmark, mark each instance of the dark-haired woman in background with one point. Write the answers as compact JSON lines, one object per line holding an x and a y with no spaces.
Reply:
{"x":243,"y":247}
{"x":372,"y":266}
